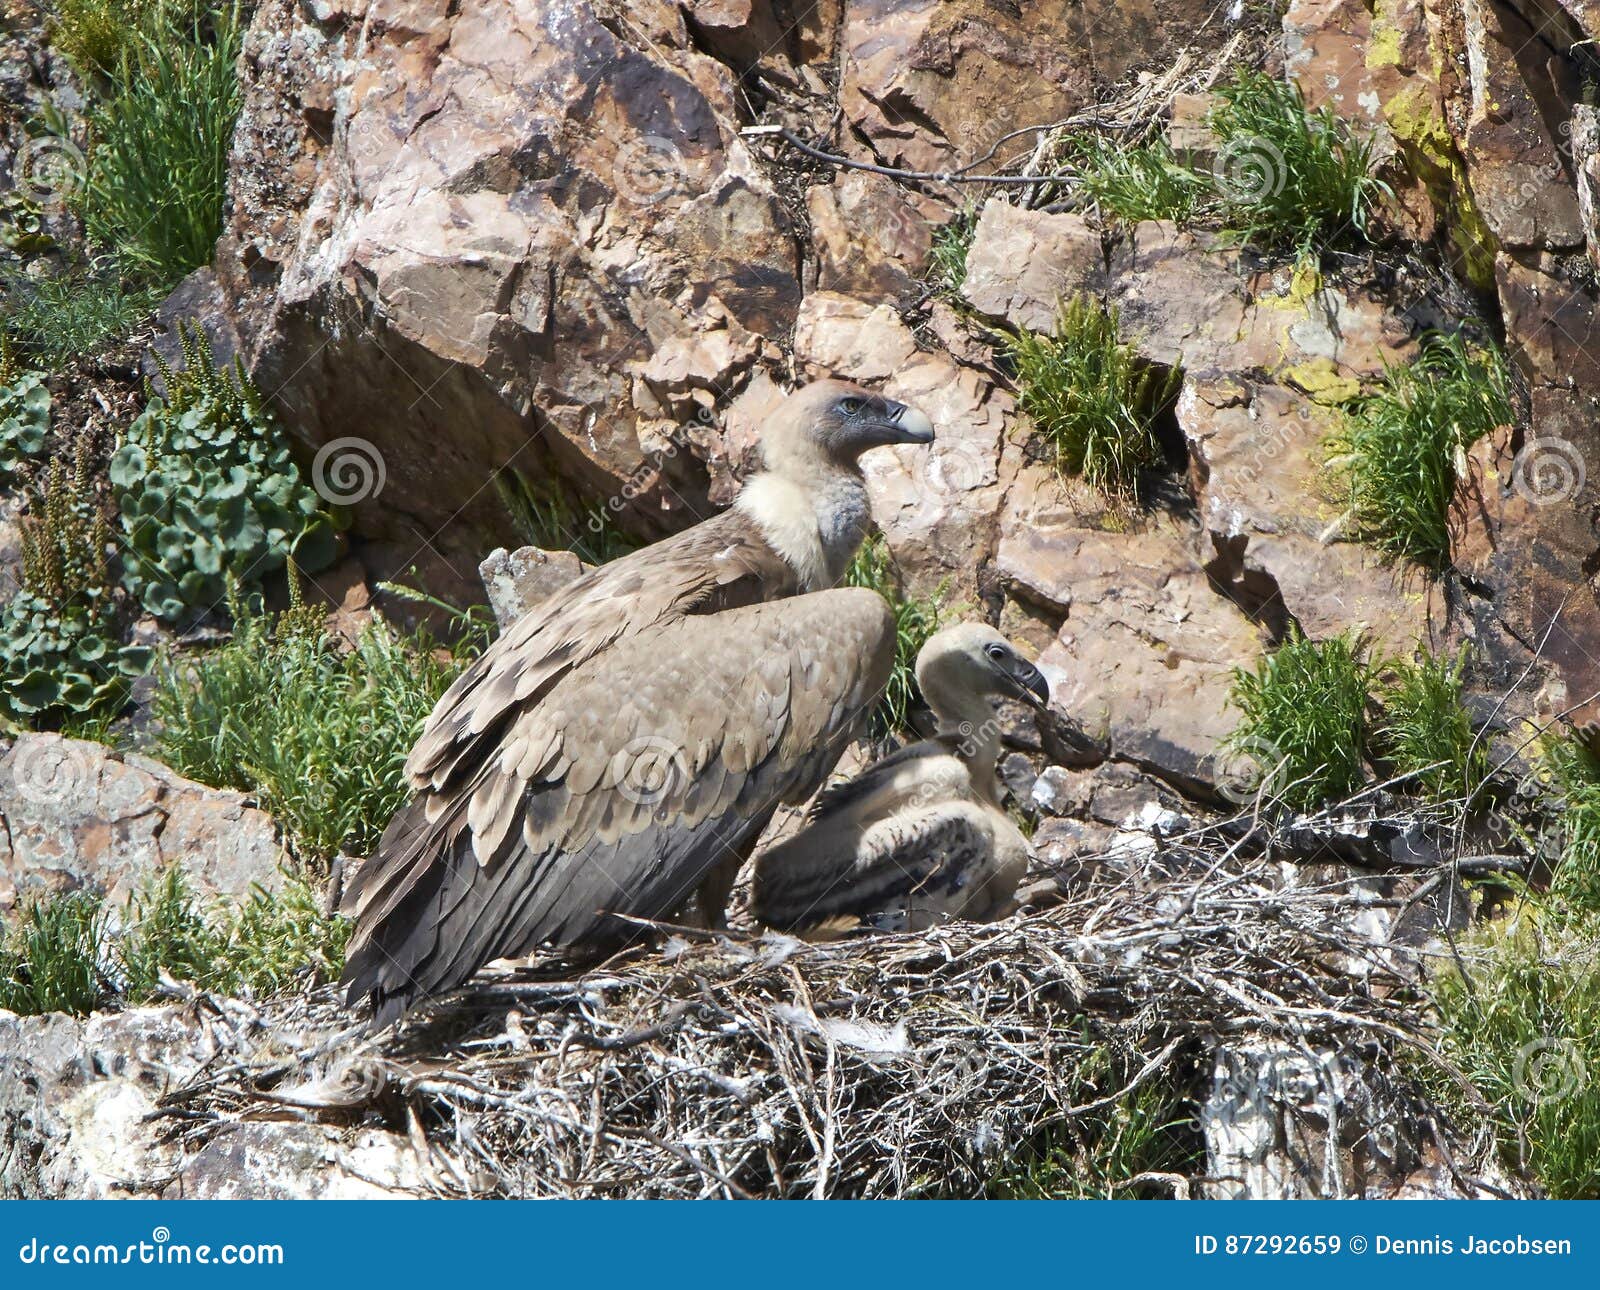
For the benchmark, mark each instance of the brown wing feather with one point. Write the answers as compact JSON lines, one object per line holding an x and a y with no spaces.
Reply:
{"x":665,"y":752}
{"x":718,"y":564}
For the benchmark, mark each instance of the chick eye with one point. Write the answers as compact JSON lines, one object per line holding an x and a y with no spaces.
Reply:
{"x":849,"y":406}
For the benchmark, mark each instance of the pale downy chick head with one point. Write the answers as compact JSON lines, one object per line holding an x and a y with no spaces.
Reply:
{"x":972,"y":661}
{"x":835,"y":422}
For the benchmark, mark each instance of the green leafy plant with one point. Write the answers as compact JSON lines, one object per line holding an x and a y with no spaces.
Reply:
{"x":51,"y":956}
{"x":1136,"y":182}
{"x":1517,"y":1021}
{"x":208,"y":491}
{"x":59,"y":650}
{"x":24,"y":418}
{"x":159,"y":140}
{"x":1426,"y":732}
{"x":1091,"y":397}
{"x":1286,"y":177}
{"x":1575,"y":771}
{"x":319,"y":736}
{"x":1303,"y":719}
{"x":546,"y":517}
{"x":947,"y":257}
{"x":1398,"y":450}
{"x":915,"y":620}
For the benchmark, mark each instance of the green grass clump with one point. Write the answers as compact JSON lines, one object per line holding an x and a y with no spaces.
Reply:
{"x":159,"y":140}
{"x":256,"y":947}
{"x":1304,"y":719}
{"x":1397,"y":453}
{"x":545,"y":516}
{"x":915,"y":620}
{"x":51,"y":956}
{"x":1426,"y":733}
{"x":1576,"y":773}
{"x":1091,"y":397}
{"x":1518,"y":1021}
{"x":1137,"y":182}
{"x":947,"y":257}
{"x":62,"y":955}
{"x":1285,"y":177}
{"x":55,"y":319}
{"x":94,"y":33}
{"x":318,"y":736}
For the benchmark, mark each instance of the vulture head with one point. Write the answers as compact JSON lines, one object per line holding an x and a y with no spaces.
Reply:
{"x":963,"y":668}
{"x":835,"y":422}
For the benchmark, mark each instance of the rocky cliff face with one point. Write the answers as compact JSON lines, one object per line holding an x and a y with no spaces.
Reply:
{"x":545,"y":237}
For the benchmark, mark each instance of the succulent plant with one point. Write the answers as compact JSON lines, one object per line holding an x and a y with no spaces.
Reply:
{"x":59,"y":639}
{"x":24,"y":420}
{"x":207,"y":489}
{"x":62,"y":657}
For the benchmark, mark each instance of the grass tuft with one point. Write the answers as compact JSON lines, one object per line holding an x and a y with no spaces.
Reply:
{"x":947,"y":257}
{"x":915,"y":620}
{"x":1518,"y":1022}
{"x":319,"y":736}
{"x":51,"y":956}
{"x":545,"y":516}
{"x":1134,"y":182}
{"x":1576,"y":773}
{"x":1286,"y":177}
{"x":61,"y":954}
{"x":55,"y":319}
{"x":1400,"y":448}
{"x":1304,"y":719}
{"x":159,"y":140}
{"x":1426,"y":732}
{"x":1092,"y":398}
{"x":94,"y":33}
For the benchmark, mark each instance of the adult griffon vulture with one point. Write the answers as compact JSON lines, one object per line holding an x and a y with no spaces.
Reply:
{"x":920,"y":836}
{"x":626,"y":741}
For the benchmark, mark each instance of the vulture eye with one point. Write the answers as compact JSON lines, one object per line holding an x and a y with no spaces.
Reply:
{"x":996,"y":652}
{"x":849,"y":406}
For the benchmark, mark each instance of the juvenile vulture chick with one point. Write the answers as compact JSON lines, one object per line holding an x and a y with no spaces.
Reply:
{"x":920,"y":837}
{"x":627,"y":739}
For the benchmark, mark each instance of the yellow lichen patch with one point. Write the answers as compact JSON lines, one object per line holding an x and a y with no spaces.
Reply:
{"x":1320,"y":380}
{"x":1430,"y":153}
{"x":1305,"y":284}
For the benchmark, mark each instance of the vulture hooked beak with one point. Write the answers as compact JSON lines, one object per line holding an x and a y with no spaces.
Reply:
{"x":889,"y":423}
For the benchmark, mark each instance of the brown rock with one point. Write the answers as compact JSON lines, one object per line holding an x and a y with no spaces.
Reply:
{"x":1520,"y":182}
{"x":871,"y":236}
{"x":457,"y":228}
{"x":1256,"y":453}
{"x":78,"y":815}
{"x":1023,"y":264}
{"x":1143,"y":657}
